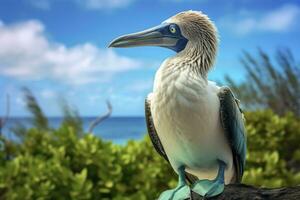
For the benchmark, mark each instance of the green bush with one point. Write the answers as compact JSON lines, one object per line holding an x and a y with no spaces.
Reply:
{"x":62,"y":164}
{"x":273,"y":157}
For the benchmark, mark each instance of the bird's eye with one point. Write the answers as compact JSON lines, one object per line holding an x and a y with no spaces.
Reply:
{"x":172,"y":29}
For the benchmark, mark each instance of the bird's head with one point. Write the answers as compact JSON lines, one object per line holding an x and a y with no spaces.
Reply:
{"x":189,"y":33}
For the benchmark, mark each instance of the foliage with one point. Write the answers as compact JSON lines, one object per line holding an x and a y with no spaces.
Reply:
{"x":273,"y":149}
{"x":4,"y":118}
{"x":65,"y":163}
{"x":62,"y":164}
{"x":71,"y":118}
{"x":39,"y":119}
{"x":268,"y":85}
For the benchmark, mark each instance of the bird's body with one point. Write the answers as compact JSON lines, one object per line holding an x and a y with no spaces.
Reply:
{"x":194,"y":124}
{"x":184,"y":107}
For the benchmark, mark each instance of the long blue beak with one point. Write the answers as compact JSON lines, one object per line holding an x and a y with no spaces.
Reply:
{"x":151,"y":37}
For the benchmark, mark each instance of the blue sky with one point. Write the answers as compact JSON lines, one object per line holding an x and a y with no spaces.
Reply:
{"x":58,"y":48}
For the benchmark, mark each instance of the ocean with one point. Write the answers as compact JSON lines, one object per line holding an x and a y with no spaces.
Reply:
{"x":117,"y":129}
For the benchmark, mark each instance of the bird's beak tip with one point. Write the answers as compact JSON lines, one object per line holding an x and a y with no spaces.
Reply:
{"x":115,"y":43}
{"x":110,"y":45}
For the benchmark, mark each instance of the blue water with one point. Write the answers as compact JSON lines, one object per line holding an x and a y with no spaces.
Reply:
{"x":117,"y":129}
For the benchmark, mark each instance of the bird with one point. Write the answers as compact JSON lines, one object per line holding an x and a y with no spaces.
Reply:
{"x":194,"y":124}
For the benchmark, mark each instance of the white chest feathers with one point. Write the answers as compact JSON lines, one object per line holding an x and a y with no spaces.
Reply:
{"x":185,"y":111}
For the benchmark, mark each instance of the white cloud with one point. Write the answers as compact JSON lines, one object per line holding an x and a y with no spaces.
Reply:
{"x":140,"y":86}
{"x":20,"y":101}
{"x":279,"y":20}
{"x":88,"y":4}
{"x":26,"y":53}
{"x":41,"y":4}
{"x":48,"y":94}
{"x":95,"y":4}
{"x":104,"y":4}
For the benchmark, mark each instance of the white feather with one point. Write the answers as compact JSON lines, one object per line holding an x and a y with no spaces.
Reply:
{"x":185,"y":111}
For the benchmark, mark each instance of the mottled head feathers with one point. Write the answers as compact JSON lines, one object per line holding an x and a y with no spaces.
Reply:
{"x":202,"y":35}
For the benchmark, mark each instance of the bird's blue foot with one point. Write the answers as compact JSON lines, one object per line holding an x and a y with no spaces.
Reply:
{"x":210,"y":188}
{"x":181,"y":192}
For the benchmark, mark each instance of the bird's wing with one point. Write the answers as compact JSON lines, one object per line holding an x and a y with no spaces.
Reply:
{"x":152,"y":132}
{"x":156,"y":141}
{"x":232,"y":120}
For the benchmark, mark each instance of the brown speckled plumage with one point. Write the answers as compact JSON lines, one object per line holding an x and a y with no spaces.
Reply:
{"x":203,"y":39}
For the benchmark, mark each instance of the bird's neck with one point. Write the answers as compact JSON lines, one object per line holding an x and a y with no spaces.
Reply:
{"x":176,"y":78}
{"x":192,"y":58}
{"x":179,"y":68}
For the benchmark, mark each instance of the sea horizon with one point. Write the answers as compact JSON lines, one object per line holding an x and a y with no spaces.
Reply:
{"x":118,"y":129}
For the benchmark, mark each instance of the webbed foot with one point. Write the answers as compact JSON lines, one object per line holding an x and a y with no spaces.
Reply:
{"x":179,"y":193}
{"x":210,"y":188}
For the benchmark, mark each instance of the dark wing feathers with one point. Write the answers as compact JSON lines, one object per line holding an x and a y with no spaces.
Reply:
{"x":156,"y":141}
{"x":233,"y":123}
{"x":152,"y":132}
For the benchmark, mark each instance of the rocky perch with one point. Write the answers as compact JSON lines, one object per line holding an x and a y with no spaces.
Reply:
{"x":247,"y":192}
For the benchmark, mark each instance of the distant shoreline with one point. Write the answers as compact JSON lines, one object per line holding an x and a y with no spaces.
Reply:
{"x":118,"y":129}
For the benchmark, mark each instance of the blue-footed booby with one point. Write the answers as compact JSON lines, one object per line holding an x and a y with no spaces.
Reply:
{"x":194,"y":124}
